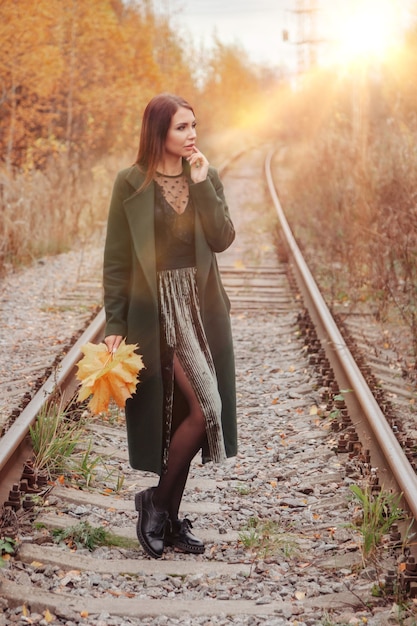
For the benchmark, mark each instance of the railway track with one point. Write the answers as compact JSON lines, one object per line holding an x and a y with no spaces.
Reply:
{"x":375,"y":433}
{"x":287,"y":473}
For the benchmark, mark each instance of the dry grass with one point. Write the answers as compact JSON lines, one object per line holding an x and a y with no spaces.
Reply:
{"x":350,"y":191}
{"x":48,"y":212}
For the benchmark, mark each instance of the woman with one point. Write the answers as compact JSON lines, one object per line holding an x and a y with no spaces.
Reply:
{"x":162,"y":290}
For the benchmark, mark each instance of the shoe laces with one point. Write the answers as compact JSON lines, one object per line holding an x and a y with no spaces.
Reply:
{"x":186,"y":524}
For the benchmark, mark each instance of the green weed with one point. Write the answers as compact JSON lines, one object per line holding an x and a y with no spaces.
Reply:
{"x":265,"y":539}
{"x":380,"y":511}
{"x":119,"y":479}
{"x":7,"y":546}
{"x":83,"y":535}
{"x":86,"y":466}
{"x":54,"y":439}
{"x":242,"y":489}
{"x":61,"y":448}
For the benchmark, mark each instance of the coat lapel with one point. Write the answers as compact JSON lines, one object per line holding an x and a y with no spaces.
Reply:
{"x":139,"y":209}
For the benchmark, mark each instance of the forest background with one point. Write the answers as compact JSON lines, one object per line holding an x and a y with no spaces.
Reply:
{"x":75,"y":76}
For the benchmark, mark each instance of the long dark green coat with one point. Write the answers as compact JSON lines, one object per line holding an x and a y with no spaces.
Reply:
{"x":131,"y":304}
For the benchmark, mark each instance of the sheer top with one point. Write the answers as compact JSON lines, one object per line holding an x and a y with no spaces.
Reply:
{"x":174,"y":223}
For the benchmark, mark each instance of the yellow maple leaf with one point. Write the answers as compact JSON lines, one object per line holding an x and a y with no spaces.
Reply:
{"x":48,"y":617}
{"x":105,"y":376}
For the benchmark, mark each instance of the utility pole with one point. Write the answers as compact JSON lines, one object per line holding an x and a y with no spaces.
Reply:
{"x":306,"y":38}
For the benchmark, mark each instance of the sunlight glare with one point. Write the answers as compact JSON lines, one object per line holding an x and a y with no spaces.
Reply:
{"x":364,"y":29}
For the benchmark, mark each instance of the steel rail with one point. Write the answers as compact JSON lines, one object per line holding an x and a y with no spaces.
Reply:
{"x":364,"y":410}
{"x":62,"y":384}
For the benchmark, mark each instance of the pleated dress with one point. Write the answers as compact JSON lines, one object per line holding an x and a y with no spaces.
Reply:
{"x":182,"y":331}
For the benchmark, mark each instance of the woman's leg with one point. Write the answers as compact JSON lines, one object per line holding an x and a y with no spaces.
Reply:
{"x":185,"y":443}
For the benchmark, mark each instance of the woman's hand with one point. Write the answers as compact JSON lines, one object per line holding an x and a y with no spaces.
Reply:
{"x":199,"y":166}
{"x":113,"y":342}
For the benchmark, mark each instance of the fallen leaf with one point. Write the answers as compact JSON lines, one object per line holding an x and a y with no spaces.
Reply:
{"x":300,"y":595}
{"x":313,"y":410}
{"x":84,"y":613}
{"x":106,"y":376}
{"x":48,"y":617}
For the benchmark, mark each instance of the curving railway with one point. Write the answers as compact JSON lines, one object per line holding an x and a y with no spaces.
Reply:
{"x":277,"y":520}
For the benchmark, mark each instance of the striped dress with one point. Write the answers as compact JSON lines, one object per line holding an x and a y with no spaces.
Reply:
{"x":182,"y":331}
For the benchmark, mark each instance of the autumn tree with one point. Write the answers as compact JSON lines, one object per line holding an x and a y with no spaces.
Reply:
{"x":74,"y":78}
{"x":75,"y":75}
{"x":30,"y":66}
{"x":231,"y":86}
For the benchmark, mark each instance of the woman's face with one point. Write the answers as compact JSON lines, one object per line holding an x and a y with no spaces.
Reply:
{"x":181,"y":136}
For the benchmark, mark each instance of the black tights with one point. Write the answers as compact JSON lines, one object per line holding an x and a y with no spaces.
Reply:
{"x":185,"y":443}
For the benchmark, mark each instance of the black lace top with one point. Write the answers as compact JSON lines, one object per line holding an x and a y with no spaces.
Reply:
{"x":174,"y":232}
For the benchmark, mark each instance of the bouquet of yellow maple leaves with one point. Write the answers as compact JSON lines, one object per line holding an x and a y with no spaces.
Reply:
{"x":108,"y":375}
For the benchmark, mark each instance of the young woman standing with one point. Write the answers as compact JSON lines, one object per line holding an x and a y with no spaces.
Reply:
{"x":168,"y":218}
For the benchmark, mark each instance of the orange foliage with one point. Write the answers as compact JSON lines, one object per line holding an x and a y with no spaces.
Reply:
{"x":106,"y":376}
{"x":75,"y":75}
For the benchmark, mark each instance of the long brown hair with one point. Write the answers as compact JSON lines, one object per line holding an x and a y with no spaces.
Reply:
{"x":155,"y":125}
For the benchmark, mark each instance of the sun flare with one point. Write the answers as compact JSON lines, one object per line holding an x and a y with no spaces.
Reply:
{"x":363,"y":29}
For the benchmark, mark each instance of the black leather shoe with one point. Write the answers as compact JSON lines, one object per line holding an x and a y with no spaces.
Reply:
{"x":179,"y":535}
{"x":150,"y":527}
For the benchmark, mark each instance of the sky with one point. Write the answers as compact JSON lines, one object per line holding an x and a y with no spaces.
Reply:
{"x":256,"y":25}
